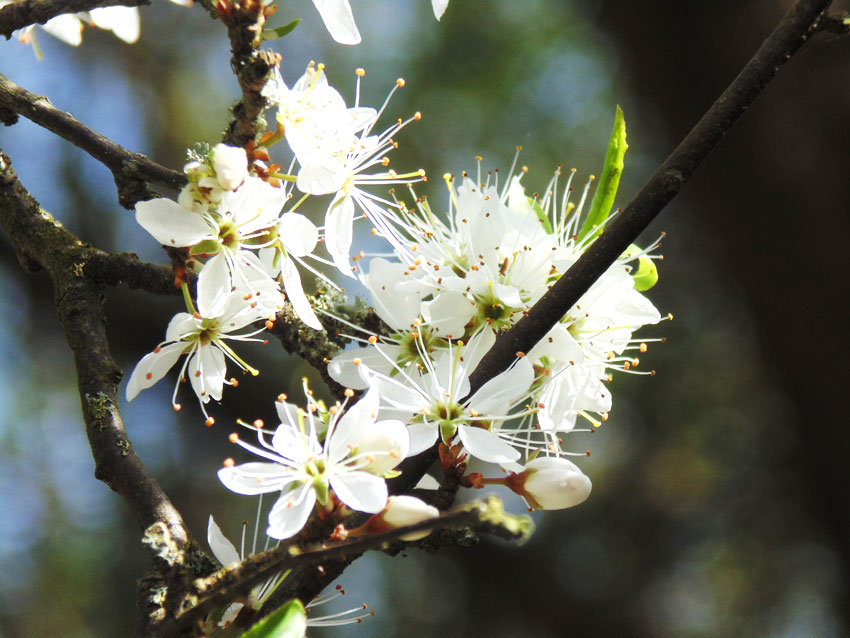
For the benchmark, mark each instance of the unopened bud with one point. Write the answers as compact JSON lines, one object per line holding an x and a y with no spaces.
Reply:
{"x":554,"y":483}
{"x":408,"y":510}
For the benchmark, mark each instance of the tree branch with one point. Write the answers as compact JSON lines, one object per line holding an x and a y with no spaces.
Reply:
{"x":835,"y":25}
{"x":125,"y":268}
{"x":788,"y":36}
{"x":26,"y":12}
{"x":130,"y":170}
{"x":40,"y":241}
{"x":245,"y":21}
{"x":318,"y":347}
{"x":226,"y":585}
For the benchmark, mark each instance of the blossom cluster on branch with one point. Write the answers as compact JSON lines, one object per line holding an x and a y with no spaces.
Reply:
{"x":456,"y":276}
{"x":456,"y":272}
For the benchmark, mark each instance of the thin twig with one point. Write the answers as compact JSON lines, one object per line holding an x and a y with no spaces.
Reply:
{"x":131,"y":171}
{"x":788,"y":36}
{"x":245,"y":21}
{"x":225,"y":585}
{"x":23,"y":13}
{"x":836,"y":25}
{"x":791,"y":32}
{"x":125,"y":268}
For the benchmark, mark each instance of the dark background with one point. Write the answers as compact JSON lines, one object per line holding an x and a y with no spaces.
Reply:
{"x":721,"y":485}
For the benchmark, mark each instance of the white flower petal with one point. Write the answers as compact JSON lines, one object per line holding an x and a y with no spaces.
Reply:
{"x":207,"y":370}
{"x":255,"y":206}
{"x":290,"y":512}
{"x":299,"y":234}
{"x":394,"y":301}
{"x":485,"y":445}
{"x":67,"y":28}
{"x":122,"y":21}
{"x":320,"y":178}
{"x":251,"y":479}
{"x":422,"y":437}
{"x":181,"y":325}
{"x":221,"y":548}
{"x":361,"y":415}
{"x":290,"y":442}
{"x":295,"y":294}
{"x":339,"y":21}
{"x":360,"y":491}
{"x":448,"y":313}
{"x":343,"y":371}
{"x":214,"y":284}
{"x":500,"y":392}
{"x":171,"y":224}
{"x":152,"y":368}
{"x":439,"y":7}
{"x":339,"y":232}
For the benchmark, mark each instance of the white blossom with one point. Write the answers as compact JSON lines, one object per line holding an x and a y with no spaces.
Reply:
{"x":357,"y":448}
{"x":202,"y":337}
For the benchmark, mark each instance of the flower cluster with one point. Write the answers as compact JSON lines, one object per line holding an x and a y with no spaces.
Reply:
{"x":450,"y":281}
{"x":234,"y":226}
{"x":455,"y":286}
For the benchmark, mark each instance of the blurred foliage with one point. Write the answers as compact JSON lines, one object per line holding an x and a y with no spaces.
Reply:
{"x":704,"y":519}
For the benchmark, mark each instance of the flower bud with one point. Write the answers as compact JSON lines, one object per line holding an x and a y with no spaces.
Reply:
{"x":407,"y":510}
{"x":230,"y":165}
{"x":554,"y":483}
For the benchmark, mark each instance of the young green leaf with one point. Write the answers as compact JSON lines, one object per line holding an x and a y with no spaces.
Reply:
{"x":645,"y":275}
{"x":609,"y":180}
{"x":279,"y":32}
{"x":290,"y":621}
{"x":541,"y":215}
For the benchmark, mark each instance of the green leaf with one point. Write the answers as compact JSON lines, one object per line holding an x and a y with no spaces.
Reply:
{"x":609,"y":180}
{"x":541,"y":215}
{"x":279,"y":32}
{"x":646,"y":274}
{"x":290,"y":621}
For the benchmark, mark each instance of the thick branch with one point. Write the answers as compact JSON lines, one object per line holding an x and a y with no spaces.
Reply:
{"x":26,"y":12}
{"x":125,"y":268}
{"x":789,"y":35}
{"x":41,"y":241}
{"x":130,"y":170}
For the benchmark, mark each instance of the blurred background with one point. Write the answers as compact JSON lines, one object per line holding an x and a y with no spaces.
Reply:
{"x":721,"y":503}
